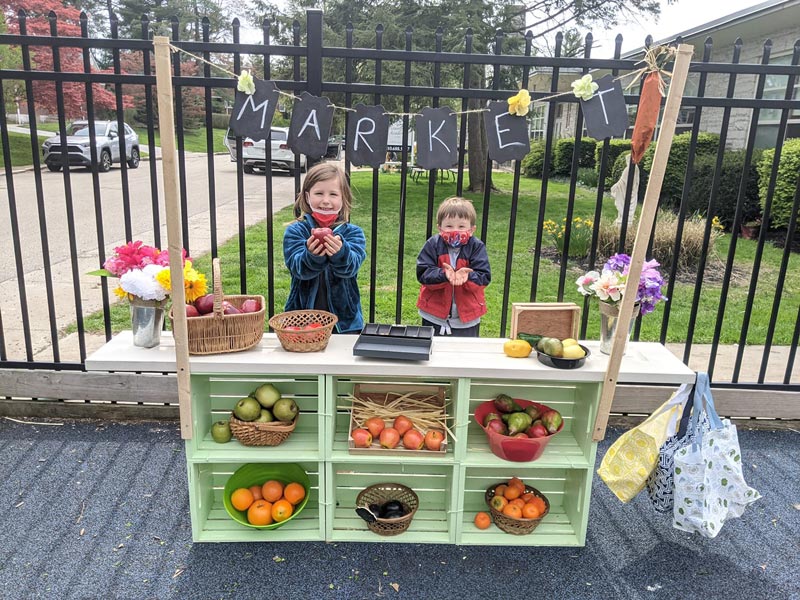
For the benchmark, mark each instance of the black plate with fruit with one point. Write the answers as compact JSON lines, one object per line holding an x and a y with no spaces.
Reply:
{"x":562,"y":362}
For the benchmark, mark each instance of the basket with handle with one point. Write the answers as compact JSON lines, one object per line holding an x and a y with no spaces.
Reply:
{"x":380,"y":493}
{"x":250,"y":433}
{"x":216,"y":332}
{"x":304,"y":330}
{"x":516,"y":526}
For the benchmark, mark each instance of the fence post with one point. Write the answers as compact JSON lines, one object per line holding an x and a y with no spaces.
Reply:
{"x":314,"y":51}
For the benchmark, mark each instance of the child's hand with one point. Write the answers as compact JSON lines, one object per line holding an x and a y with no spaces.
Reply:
{"x":461,"y":276}
{"x":449,"y":273}
{"x":315,"y":246}
{"x":333,"y":243}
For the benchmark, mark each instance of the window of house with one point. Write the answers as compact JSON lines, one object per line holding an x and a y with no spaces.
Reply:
{"x":775,"y":88}
{"x":538,"y":121}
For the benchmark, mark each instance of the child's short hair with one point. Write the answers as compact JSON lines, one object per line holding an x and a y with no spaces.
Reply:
{"x":456,"y":206}
{"x":323,"y":172}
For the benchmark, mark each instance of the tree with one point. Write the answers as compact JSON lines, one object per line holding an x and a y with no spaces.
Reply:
{"x":542,"y":17}
{"x":189,"y":13}
{"x":68,"y":24}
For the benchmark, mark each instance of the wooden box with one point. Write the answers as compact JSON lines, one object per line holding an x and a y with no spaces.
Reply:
{"x":551,"y":319}
{"x":387,"y":394}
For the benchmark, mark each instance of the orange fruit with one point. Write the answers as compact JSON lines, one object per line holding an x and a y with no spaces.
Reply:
{"x":482,"y":520}
{"x":513,"y":511}
{"x":516,"y":481}
{"x":294,"y":493}
{"x":531,"y":511}
{"x":500,"y":490}
{"x":539,"y":502}
{"x":256,"y":491}
{"x":518,"y":502}
{"x":242,"y":498}
{"x":527,"y":497}
{"x":272,"y":490}
{"x":282,"y":510}
{"x":260,"y":513}
{"x":498,"y":503}
{"x":512,"y":492}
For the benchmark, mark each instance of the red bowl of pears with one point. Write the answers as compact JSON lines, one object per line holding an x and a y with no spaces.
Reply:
{"x":518,"y":430}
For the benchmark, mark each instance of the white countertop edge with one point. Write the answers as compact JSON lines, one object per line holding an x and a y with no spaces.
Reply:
{"x":643,"y":362}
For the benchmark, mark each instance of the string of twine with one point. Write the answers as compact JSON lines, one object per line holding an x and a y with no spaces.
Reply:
{"x":654,"y":59}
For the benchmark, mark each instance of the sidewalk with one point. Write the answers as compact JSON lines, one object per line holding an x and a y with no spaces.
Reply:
{"x":100,"y":510}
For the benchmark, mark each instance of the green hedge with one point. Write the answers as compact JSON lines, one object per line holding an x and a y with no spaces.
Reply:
{"x":785,"y":184}
{"x":729,"y":182}
{"x":562,"y":155}
{"x":220,"y":120}
{"x":615,"y":149}
{"x":533,"y":163}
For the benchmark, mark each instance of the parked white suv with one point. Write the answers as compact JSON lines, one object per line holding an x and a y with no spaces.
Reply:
{"x":79,"y":146}
{"x":254,"y":154}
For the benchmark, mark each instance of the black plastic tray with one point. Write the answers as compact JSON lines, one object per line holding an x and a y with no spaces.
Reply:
{"x":403,"y":342}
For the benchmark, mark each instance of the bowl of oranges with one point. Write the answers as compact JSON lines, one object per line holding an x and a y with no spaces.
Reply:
{"x":266,"y":496}
{"x":516,"y":508}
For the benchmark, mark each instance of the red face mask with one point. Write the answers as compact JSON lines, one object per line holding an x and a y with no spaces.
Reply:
{"x":455,"y":239}
{"x":325,"y":218}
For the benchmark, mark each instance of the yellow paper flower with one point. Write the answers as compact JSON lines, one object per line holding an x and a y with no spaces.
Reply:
{"x":194,"y":284}
{"x":584,"y":88}
{"x":120,"y":293}
{"x":519,"y":103}
{"x":246,"y":83}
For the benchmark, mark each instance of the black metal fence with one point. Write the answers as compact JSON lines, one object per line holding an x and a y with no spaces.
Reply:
{"x":363,"y":77}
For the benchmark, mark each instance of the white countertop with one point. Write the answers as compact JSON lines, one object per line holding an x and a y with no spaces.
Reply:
{"x":643,"y":362}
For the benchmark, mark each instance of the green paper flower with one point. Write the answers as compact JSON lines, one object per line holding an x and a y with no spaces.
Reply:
{"x":584,"y":88}
{"x":246,"y":83}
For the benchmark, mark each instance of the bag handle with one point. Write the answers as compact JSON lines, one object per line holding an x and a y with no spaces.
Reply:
{"x":687,"y":413}
{"x":703,"y":401}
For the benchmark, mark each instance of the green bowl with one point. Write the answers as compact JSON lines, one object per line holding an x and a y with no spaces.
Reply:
{"x":256,"y":474}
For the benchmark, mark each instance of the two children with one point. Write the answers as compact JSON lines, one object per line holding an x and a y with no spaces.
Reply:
{"x":453,"y":266}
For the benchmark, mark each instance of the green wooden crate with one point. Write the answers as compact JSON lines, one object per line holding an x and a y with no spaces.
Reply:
{"x":211,"y":522}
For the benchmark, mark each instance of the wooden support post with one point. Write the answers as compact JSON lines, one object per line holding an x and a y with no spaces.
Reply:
{"x":169,"y":168}
{"x":643,"y":233}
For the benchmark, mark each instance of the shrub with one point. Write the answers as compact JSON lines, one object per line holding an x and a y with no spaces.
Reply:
{"x":562,"y":155}
{"x":220,"y":120}
{"x":675,"y":175}
{"x":663,"y":247}
{"x":785,"y":184}
{"x":588,"y":177}
{"x":616,"y":148}
{"x":728,"y":193}
{"x":533,"y":163}
{"x":580,"y":236}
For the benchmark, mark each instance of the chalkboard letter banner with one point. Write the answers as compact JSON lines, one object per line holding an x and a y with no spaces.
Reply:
{"x":310,"y":127}
{"x":605,"y":112}
{"x":437,"y":138}
{"x":252,"y":113}
{"x":367,"y":136}
{"x":506,"y":134}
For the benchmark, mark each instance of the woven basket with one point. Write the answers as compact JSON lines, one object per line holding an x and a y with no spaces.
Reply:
{"x":216,"y":333}
{"x":250,"y":433}
{"x":516,"y":526}
{"x":303,"y":340}
{"x":383,"y":492}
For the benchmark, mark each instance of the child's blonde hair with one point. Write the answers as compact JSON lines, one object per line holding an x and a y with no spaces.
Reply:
{"x":458,"y":207}
{"x":316,"y":174}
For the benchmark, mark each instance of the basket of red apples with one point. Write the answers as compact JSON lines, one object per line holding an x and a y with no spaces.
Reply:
{"x":303,"y":330}
{"x":217,"y":323}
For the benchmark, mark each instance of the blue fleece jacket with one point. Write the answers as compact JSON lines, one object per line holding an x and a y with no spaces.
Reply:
{"x":340,"y":272}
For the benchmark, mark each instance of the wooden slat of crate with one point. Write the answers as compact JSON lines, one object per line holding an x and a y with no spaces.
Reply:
{"x":552,"y":319}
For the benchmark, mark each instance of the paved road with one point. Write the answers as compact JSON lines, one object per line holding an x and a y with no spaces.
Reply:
{"x":141,"y":216}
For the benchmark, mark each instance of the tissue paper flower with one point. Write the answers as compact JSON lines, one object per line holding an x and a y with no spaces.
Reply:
{"x":584,"y":88}
{"x":143,"y":284}
{"x":246,"y":83}
{"x":194,"y":283}
{"x":609,"y":285}
{"x":519,"y":103}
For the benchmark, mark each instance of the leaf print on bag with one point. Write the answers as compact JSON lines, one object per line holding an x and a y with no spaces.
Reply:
{"x":724,"y":481}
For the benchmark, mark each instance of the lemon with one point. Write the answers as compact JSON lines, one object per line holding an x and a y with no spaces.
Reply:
{"x":569,"y":342}
{"x":517,"y":348}
{"x":574,"y":351}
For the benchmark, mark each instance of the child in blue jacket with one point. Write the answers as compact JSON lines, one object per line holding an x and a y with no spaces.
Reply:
{"x":453,"y":268}
{"x":324,"y":272}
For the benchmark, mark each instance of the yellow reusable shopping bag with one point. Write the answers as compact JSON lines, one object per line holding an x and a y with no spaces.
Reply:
{"x":629,"y":461}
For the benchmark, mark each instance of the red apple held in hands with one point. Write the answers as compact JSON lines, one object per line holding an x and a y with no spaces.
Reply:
{"x":413,"y":440}
{"x":191,"y":311}
{"x":319,"y":233}
{"x":251,"y":305}
{"x":375,"y":425}
{"x":403,"y":424}
{"x":361,"y":438}
{"x":389,"y":438}
{"x":204,"y":304}
{"x":434,"y":439}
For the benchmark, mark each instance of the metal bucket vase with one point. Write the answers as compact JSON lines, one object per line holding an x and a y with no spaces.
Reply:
{"x":147,"y":321}
{"x":609,"y":317}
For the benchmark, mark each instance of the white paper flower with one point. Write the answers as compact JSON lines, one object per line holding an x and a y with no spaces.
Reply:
{"x":584,"y":88}
{"x":608,"y":287}
{"x":142,"y":283}
{"x":246,"y":83}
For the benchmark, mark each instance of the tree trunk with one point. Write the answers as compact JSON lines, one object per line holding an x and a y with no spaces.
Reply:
{"x":476,"y":138}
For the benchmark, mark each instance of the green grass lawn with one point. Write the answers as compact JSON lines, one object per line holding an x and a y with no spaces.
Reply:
{"x":20,"y":149}
{"x":416,"y":208}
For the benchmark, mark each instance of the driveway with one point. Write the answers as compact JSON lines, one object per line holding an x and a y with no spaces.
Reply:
{"x":141,"y":217}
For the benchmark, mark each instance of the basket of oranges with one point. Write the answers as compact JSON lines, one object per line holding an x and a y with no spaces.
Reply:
{"x":303,"y":330}
{"x":516,"y":508}
{"x":266,"y":496}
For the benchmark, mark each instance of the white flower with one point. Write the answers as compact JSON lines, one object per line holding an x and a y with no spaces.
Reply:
{"x":608,"y":287}
{"x":585,"y":281}
{"x":142,"y":283}
{"x":246,"y":83}
{"x":584,"y":88}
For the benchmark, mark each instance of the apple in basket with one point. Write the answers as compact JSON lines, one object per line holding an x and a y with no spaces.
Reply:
{"x":319,"y":233}
{"x":191,"y":311}
{"x":204,"y":304}
{"x":251,"y":305}
{"x":229,"y":309}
